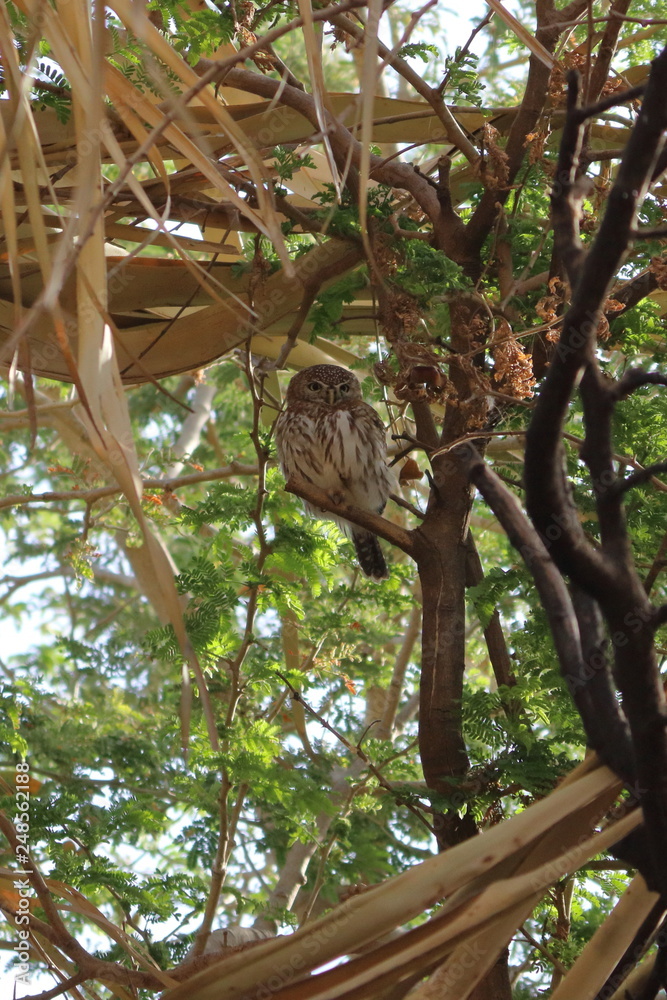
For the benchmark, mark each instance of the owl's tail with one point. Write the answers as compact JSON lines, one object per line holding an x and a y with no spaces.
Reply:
{"x":370,"y":554}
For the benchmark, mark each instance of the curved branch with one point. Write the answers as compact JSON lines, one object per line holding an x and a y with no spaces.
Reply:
{"x":635,"y":378}
{"x":379,"y":525}
{"x":587,"y":676}
{"x":547,"y":497}
{"x":638,"y":478}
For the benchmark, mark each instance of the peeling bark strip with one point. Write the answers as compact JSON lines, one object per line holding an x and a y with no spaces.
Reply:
{"x":604,"y":577}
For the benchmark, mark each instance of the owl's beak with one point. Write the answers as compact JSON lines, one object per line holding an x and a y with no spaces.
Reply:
{"x":331,"y":395}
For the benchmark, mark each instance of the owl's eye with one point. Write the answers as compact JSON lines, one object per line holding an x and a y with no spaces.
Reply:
{"x":344,"y":387}
{"x":315,"y":386}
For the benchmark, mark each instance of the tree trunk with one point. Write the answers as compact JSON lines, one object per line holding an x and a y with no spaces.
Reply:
{"x":441,"y":553}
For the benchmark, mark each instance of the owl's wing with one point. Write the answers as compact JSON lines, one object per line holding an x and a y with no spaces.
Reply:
{"x":299,"y":451}
{"x":368,"y":420}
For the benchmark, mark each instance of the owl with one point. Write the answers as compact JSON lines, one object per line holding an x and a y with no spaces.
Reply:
{"x":328,"y":436}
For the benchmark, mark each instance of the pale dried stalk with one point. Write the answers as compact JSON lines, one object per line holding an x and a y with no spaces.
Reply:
{"x":463,"y":873}
{"x":609,"y":943}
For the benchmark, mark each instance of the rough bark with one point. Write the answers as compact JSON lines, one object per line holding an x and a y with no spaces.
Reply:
{"x":441,"y":551}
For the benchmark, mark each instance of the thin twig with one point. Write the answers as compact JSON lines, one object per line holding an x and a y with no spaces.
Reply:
{"x":356,"y":750}
{"x":98,"y":493}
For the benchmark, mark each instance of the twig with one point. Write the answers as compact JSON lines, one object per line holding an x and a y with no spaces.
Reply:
{"x":455,"y":134}
{"x":356,"y":750}
{"x":406,"y":505}
{"x":168,"y":485}
{"x":557,"y":964}
{"x":488,"y":17}
{"x":61,"y":988}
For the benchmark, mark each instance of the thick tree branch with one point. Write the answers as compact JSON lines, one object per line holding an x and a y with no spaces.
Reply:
{"x":442,"y":557}
{"x":607,"y":575}
{"x":635,"y":378}
{"x":607,"y":48}
{"x":585,"y":672}
{"x":547,"y":497}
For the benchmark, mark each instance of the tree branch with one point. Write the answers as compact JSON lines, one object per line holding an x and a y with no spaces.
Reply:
{"x":547,"y":497}
{"x":63,"y":987}
{"x":607,"y":48}
{"x":606,"y":575}
{"x":532,"y":106}
{"x":168,"y":484}
{"x":635,"y":378}
{"x":633,"y":291}
{"x":379,"y":525}
{"x":453,"y":131}
{"x":588,"y":677}
{"x":566,"y":194}
{"x":638,"y":478}
{"x":569,"y":190}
